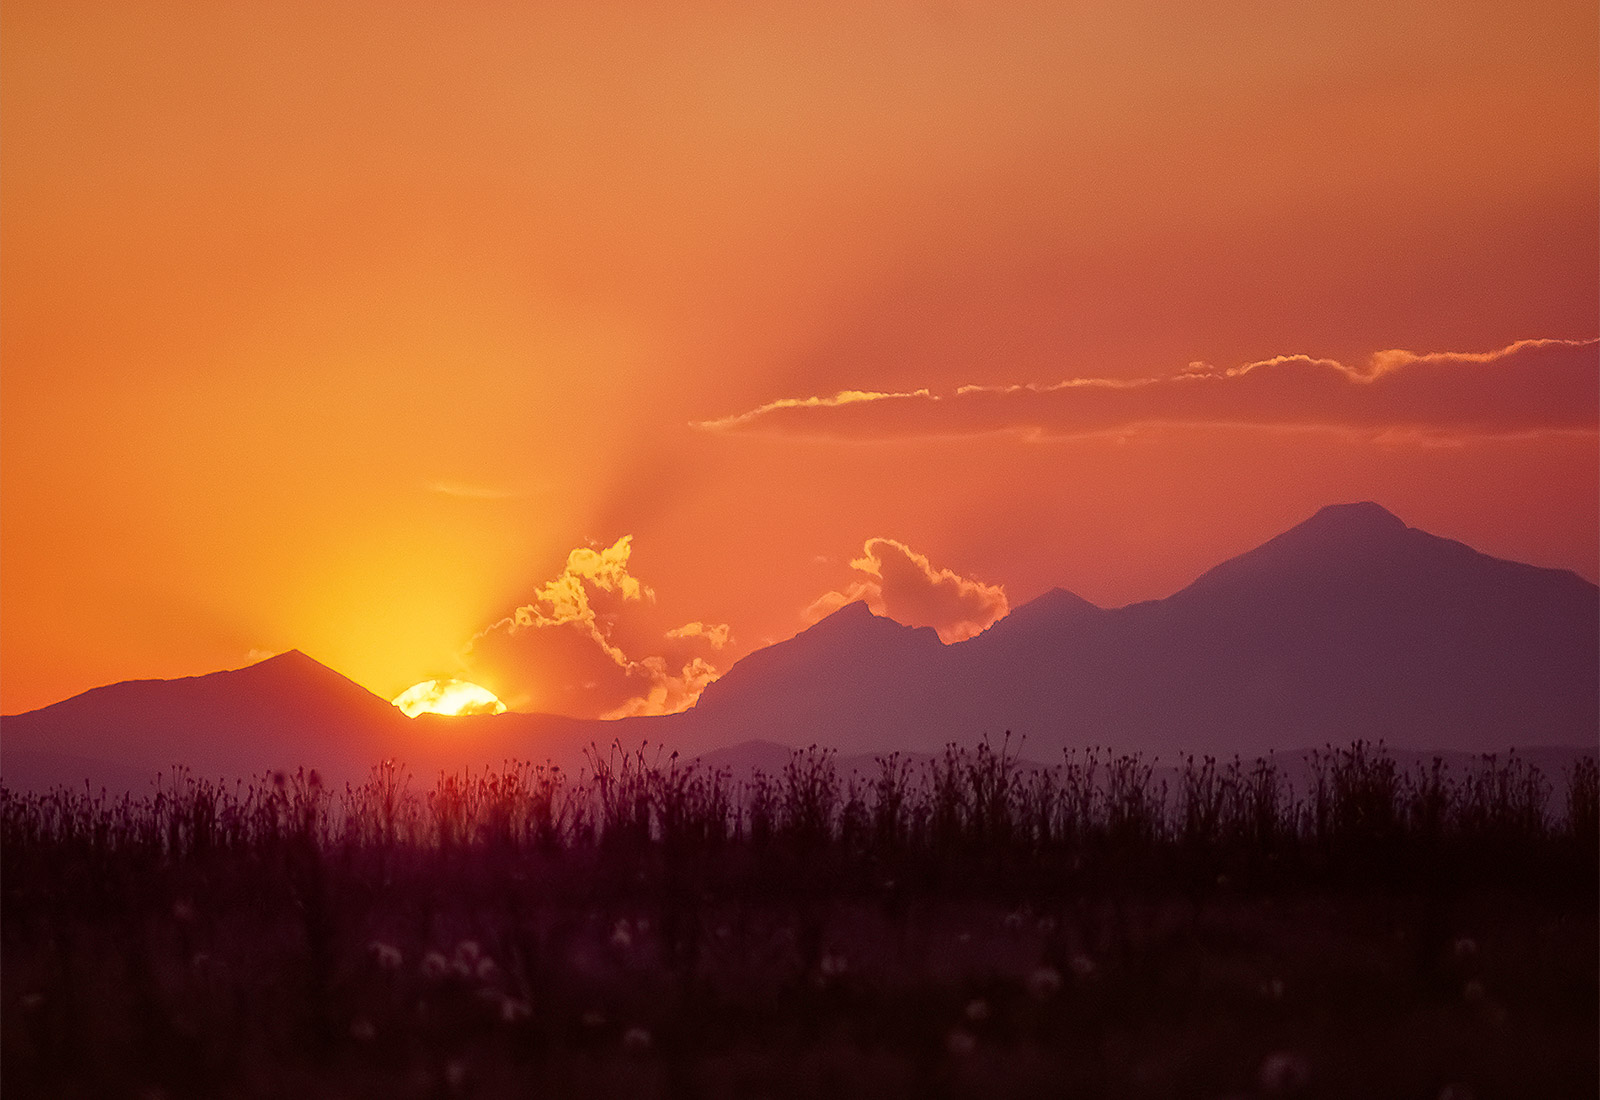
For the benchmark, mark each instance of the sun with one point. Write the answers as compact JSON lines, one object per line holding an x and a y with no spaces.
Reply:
{"x":447,"y":697}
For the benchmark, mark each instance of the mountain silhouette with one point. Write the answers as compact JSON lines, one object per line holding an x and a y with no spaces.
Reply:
{"x":1353,"y":624}
{"x":1350,"y":624}
{"x":284,"y":712}
{"x":842,"y":673}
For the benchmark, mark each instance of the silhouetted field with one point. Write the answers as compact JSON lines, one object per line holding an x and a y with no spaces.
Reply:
{"x":966,"y":928}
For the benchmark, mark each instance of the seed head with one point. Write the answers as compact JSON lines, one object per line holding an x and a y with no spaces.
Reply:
{"x":1284,"y":1073}
{"x":386,"y":955}
{"x":1044,"y":983}
{"x":960,"y":1042}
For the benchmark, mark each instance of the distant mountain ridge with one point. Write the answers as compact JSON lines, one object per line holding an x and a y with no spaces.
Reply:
{"x":1350,"y":624}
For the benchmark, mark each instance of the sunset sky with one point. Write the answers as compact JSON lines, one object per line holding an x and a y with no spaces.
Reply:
{"x":578,"y":349}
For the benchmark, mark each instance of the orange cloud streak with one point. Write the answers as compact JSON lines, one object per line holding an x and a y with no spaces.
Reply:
{"x":1527,"y":386}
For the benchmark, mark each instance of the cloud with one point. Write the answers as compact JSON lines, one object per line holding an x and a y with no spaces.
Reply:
{"x":717,"y":634}
{"x":565,"y":600}
{"x":899,"y":582}
{"x":590,"y":597}
{"x":843,"y":397}
{"x":668,"y":693}
{"x":1530,"y":386}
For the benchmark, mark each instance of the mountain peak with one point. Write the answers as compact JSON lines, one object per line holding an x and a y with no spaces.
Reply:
{"x":1058,"y":601}
{"x":855,"y":609}
{"x":851,"y":615}
{"x":1056,"y":608}
{"x":1340,"y":539}
{"x":1342,"y":528}
{"x":288,"y":658}
{"x":844,"y":647}
{"x":1055,"y":614}
{"x":857,"y":622}
{"x":1364,"y":515}
{"x":293,"y":664}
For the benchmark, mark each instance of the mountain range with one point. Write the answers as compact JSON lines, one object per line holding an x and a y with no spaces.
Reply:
{"x":1348,"y":625}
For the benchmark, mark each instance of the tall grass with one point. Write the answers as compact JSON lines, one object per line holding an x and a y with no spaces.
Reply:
{"x":1360,"y":810}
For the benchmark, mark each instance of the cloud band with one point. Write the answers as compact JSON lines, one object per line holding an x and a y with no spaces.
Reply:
{"x":1530,"y":386}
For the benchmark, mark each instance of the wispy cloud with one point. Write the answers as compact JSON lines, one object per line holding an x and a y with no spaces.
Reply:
{"x":1526,"y":387}
{"x":843,"y":397}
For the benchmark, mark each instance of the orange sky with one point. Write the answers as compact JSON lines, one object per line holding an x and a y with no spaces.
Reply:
{"x":341,"y":327}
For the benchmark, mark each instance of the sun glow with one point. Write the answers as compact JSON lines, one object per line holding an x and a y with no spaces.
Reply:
{"x":447,"y":697}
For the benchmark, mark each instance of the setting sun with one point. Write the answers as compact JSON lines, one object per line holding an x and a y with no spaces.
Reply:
{"x":448,"y":697}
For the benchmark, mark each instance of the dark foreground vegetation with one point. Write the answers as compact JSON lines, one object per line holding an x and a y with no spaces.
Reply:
{"x":965,"y":927}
